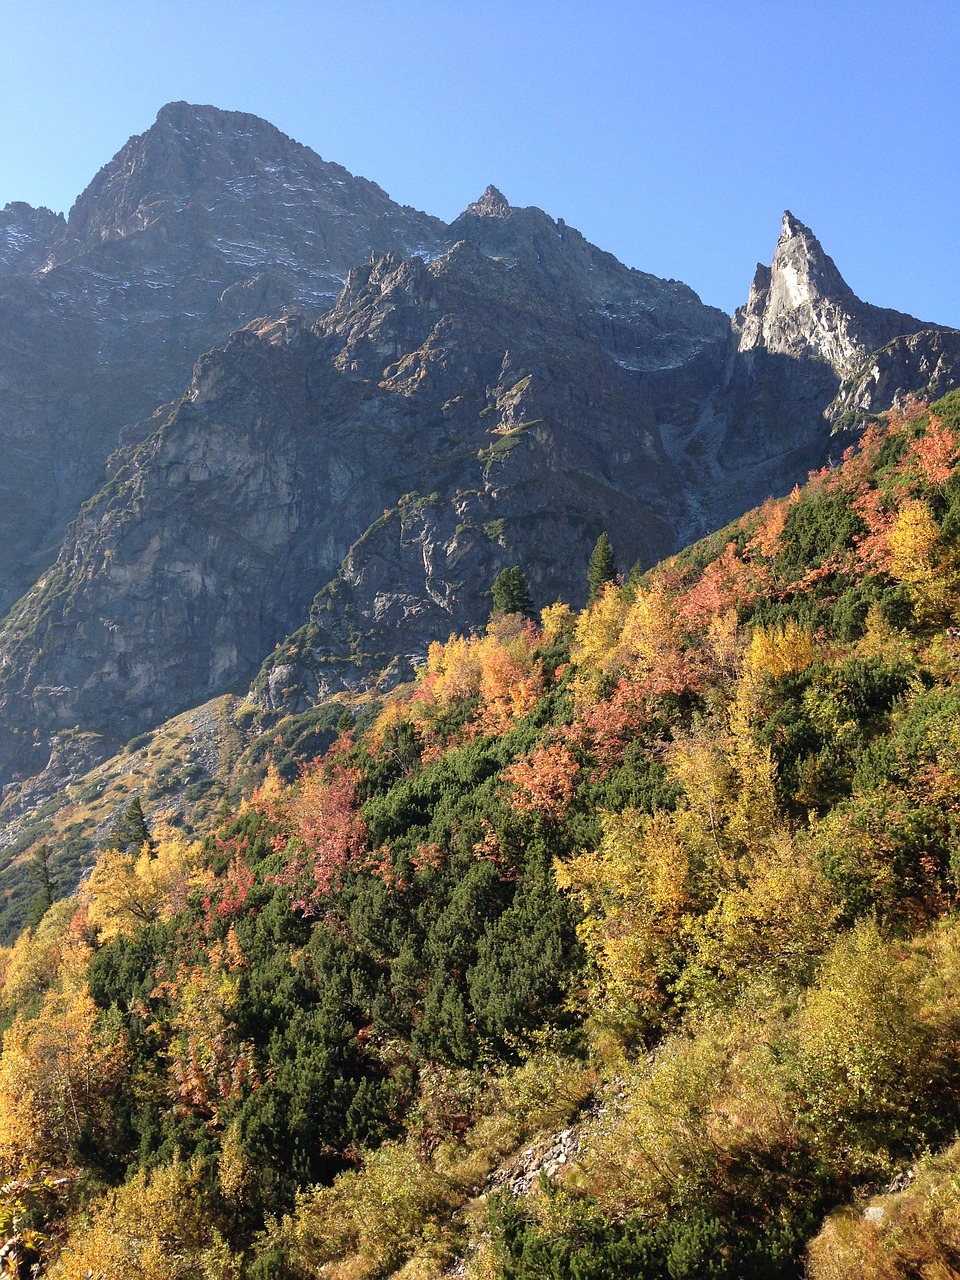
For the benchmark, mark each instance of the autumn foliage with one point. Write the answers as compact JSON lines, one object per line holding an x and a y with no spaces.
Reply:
{"x":676,"y":876}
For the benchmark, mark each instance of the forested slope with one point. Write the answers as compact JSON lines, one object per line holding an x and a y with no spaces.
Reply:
{"x":676,"y":875}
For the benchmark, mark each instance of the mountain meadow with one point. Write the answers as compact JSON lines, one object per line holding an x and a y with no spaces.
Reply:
{"x":616,"y":941}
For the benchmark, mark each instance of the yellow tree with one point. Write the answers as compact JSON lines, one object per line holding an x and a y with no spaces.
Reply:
{"x":57,"y":1071}
{"x":158,"y":1224}
{"x":919,"y":558}
{"x":638,"y":893}
{"x":31,"y":965}
{"x":127,"y":890}
{"x":661,"y":656}
{"x":598,"y":635}
{"x":556,"y":621}
{"x":771,"y":654}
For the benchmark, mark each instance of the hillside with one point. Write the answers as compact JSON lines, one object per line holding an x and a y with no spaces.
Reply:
{"x":621,"y":943}
{"x":328,"y":495}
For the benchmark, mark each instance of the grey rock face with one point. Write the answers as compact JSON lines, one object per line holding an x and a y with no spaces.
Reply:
{"x":441,"y":422}
{"x":338,"y":488}
{"x":801,"y":307}
{"x":196,"y":227}
{"x":926,"y":364}
{"x":27,"y":236}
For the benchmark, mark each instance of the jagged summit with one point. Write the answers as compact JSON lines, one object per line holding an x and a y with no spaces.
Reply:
{"x":201,"y":160}
{"x":492,"y":204}
{"x":801,"y":306}
{"x":203,"y":222}
{"x":799,"y":251}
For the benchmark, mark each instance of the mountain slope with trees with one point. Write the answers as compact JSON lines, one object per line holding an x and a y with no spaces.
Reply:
{"x":326,"y":499}
{"x":673,"y":877}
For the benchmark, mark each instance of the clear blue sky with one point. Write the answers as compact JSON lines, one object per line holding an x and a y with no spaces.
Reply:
{"x":671,"y":134}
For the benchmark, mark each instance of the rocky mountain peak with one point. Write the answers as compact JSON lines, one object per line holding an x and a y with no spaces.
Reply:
{"x":804,"y":271}
{"x":197,"y":226}
{"x":191,"y":157}
{"x":801,"y":306}
{"x":229,"y":176}
{"x":492,"y":204}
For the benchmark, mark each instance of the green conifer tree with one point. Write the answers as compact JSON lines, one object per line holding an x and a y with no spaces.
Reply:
{"x":39,"y":873}
{"x":602,"y":567}
{"x":130,"y":831}
{"x":511,"y":593}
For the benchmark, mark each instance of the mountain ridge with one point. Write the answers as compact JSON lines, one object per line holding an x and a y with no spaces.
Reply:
{"x":176,"y":243}
{"x":346,"y":485}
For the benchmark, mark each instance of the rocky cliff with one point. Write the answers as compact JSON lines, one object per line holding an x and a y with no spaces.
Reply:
{"x":337,"y":492}
{"x":439,"y":422}
{"x":197,"y":226}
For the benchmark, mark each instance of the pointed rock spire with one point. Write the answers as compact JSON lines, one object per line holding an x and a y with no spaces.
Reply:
{"x":802,"y":306}
{"x":492,"y":204}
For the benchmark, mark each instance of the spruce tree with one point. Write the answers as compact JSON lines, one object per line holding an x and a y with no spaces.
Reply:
{"x":602,"y":568}
{"x":511,"y":593}
{"x":130,"y":832}
{"x":39,"y":873}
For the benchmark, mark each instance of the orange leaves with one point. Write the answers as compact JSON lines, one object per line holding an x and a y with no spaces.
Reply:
{"x":728,"y":580}
{"x":497,"y":673}
{"x":935,"y":453}
{"x":208,"y":1066}
{"x":771,"y":524}
{"x":510,"y":684}
{"x":322,"y":813}
{"x":322,"y":830}
{"x":543,"y":783}
{"x":874,"y":509}
{"x":228,"y":896}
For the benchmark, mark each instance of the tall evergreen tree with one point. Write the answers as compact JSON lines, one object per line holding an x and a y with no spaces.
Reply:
{"x":39,"y":872}
{"x":511,"y":593}
{"x":602,"y":567}
{"x":130,"y":831}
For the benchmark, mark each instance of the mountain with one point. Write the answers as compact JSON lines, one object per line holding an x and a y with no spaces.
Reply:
{"x":797,"y":375}
{"x":801,"y":307}
{"x":193,"y":229}
{"x":497,"y":382}
{"x":333,"y":492}
{"x":622,"y":944}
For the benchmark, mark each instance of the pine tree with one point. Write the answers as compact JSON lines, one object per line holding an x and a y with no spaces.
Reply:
{"x":39,"y":873}
{"x":130,"y":832}
{"x":511,"y":593}
{"x":602,"y":568}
